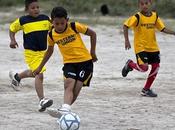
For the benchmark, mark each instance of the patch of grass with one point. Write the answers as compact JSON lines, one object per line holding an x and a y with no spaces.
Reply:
{"x":7,"y":3}
{"x":165,"y":8}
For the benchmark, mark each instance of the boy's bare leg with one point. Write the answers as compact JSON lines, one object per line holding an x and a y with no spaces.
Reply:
{"x":69,"y":84}
{"x":16,"y":78}
{"x":44,"y":102}
{"x":38,"y":82}
{"x":25,"y":74}
{"x":77,"y":90}
{"x":39,"y":85}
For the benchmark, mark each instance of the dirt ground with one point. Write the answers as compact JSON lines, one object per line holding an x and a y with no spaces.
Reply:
{"x":110,"y":103}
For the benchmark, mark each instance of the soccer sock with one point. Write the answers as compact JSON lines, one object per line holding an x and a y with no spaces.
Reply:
{"x":141,"y":68}
{"x":152,"y":75}
{"x":66,"y":107}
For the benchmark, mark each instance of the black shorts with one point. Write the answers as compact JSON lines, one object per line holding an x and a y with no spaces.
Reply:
{"x":79,"y":71}
{"x":148,"y":57}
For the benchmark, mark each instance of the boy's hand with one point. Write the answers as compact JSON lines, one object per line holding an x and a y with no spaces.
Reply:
{"x":13,"y":44}
{"x":37,"y":71}
{"x":127,"y":45}
{"x":94,"y":57}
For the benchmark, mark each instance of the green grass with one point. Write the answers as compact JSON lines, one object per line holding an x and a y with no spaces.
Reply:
{"x":88,"y":11}
{"x":165,"y":8}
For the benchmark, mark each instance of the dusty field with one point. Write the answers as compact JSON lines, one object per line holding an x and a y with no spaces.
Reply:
{"x":111,"y":103}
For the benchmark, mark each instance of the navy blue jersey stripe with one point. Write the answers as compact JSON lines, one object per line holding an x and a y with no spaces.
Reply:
{"x":28,"y":19}
{"x":36,"y":41}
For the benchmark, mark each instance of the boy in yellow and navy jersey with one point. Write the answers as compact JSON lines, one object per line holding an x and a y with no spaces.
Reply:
{"x":78,"y":62}
{"x":35,"y":27}
{"x":146,"y":47}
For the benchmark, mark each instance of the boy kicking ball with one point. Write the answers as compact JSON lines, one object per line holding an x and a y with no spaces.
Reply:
{"x":78,"y":61}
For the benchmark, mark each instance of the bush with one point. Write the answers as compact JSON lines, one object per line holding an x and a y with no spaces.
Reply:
{"x":116,"y":7}
{"x":10,"y":2}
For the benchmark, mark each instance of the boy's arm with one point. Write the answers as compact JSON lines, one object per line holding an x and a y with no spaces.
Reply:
{"x":160,"y":26}
{"x":14,"y":27}
{"x":13,"y":43}
{"x":168,"y":31}
{"x":93,"y":38}
{"x":127,"y":43}
{"x":47,"y":55}
{"x":130,"y":22}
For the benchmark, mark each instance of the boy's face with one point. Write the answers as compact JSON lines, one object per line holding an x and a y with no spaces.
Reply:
{"x":60,"y":24}
{"x":145,"y":5}
{"x":33,"y":9}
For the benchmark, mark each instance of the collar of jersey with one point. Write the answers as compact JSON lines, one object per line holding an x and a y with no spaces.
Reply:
{"x":146,"y":15}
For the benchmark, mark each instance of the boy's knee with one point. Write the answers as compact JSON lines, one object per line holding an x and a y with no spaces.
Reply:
{"x":143,"y":68}
{"x":155,"y":67}
{"x":40,"y":76}
{"x":69,"y":84}
{"x":68,"y":88}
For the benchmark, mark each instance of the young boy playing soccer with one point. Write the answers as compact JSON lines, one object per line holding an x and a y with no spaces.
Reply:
{"x":78,"y":62}
{"x":35,"y":27}
{"x":146,"y":48}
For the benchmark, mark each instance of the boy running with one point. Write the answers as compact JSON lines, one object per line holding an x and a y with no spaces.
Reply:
{"x":35,"y":27}
{"x":78,"y":62}
{"x":146,"y":48}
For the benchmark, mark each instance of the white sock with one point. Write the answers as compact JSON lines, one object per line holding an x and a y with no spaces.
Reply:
{"x":66,"y":107}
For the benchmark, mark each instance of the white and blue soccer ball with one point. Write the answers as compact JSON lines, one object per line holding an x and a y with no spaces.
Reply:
{"x":69,"y":121}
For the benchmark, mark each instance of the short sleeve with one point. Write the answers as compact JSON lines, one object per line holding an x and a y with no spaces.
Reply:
{"x":131,"y":22}
{"x":81,"y":28}
{"x":159,"y":24}
{"x":50,"y":41}
{"x":50,"y":24}
{"x":15,"y":26}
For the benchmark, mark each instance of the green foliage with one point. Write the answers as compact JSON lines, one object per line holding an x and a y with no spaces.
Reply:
{"x":116,"y":7}
{"x":165,"y":7}
{"x":10,"y":2}
{"x":90,"y":7}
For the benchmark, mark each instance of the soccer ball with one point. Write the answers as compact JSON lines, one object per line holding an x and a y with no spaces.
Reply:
{"x":69,"y":121}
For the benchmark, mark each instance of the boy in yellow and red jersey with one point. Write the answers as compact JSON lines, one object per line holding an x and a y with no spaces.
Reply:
{"x":35,"y":27}
{"x":78,"y":62}
{"x":146,"y":48}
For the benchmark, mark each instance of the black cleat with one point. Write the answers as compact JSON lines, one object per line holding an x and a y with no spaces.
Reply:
{"x":126,"y":69}
{"x":148,"y":93}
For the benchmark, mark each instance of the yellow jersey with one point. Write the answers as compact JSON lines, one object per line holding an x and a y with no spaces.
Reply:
{"x":70,"y":43}
{"x":144,"y":28}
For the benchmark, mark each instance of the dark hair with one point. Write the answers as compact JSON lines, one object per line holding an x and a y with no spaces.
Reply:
{"x":58,"y":12}
{"x":28,"y":2}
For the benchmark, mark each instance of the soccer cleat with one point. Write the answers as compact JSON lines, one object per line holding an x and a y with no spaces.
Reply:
{"x":57,"y":113}
{"x":44,"y":103}
{"x":148,"y":93}
{"x":14,"y":82}
{"x":126,"y":69}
